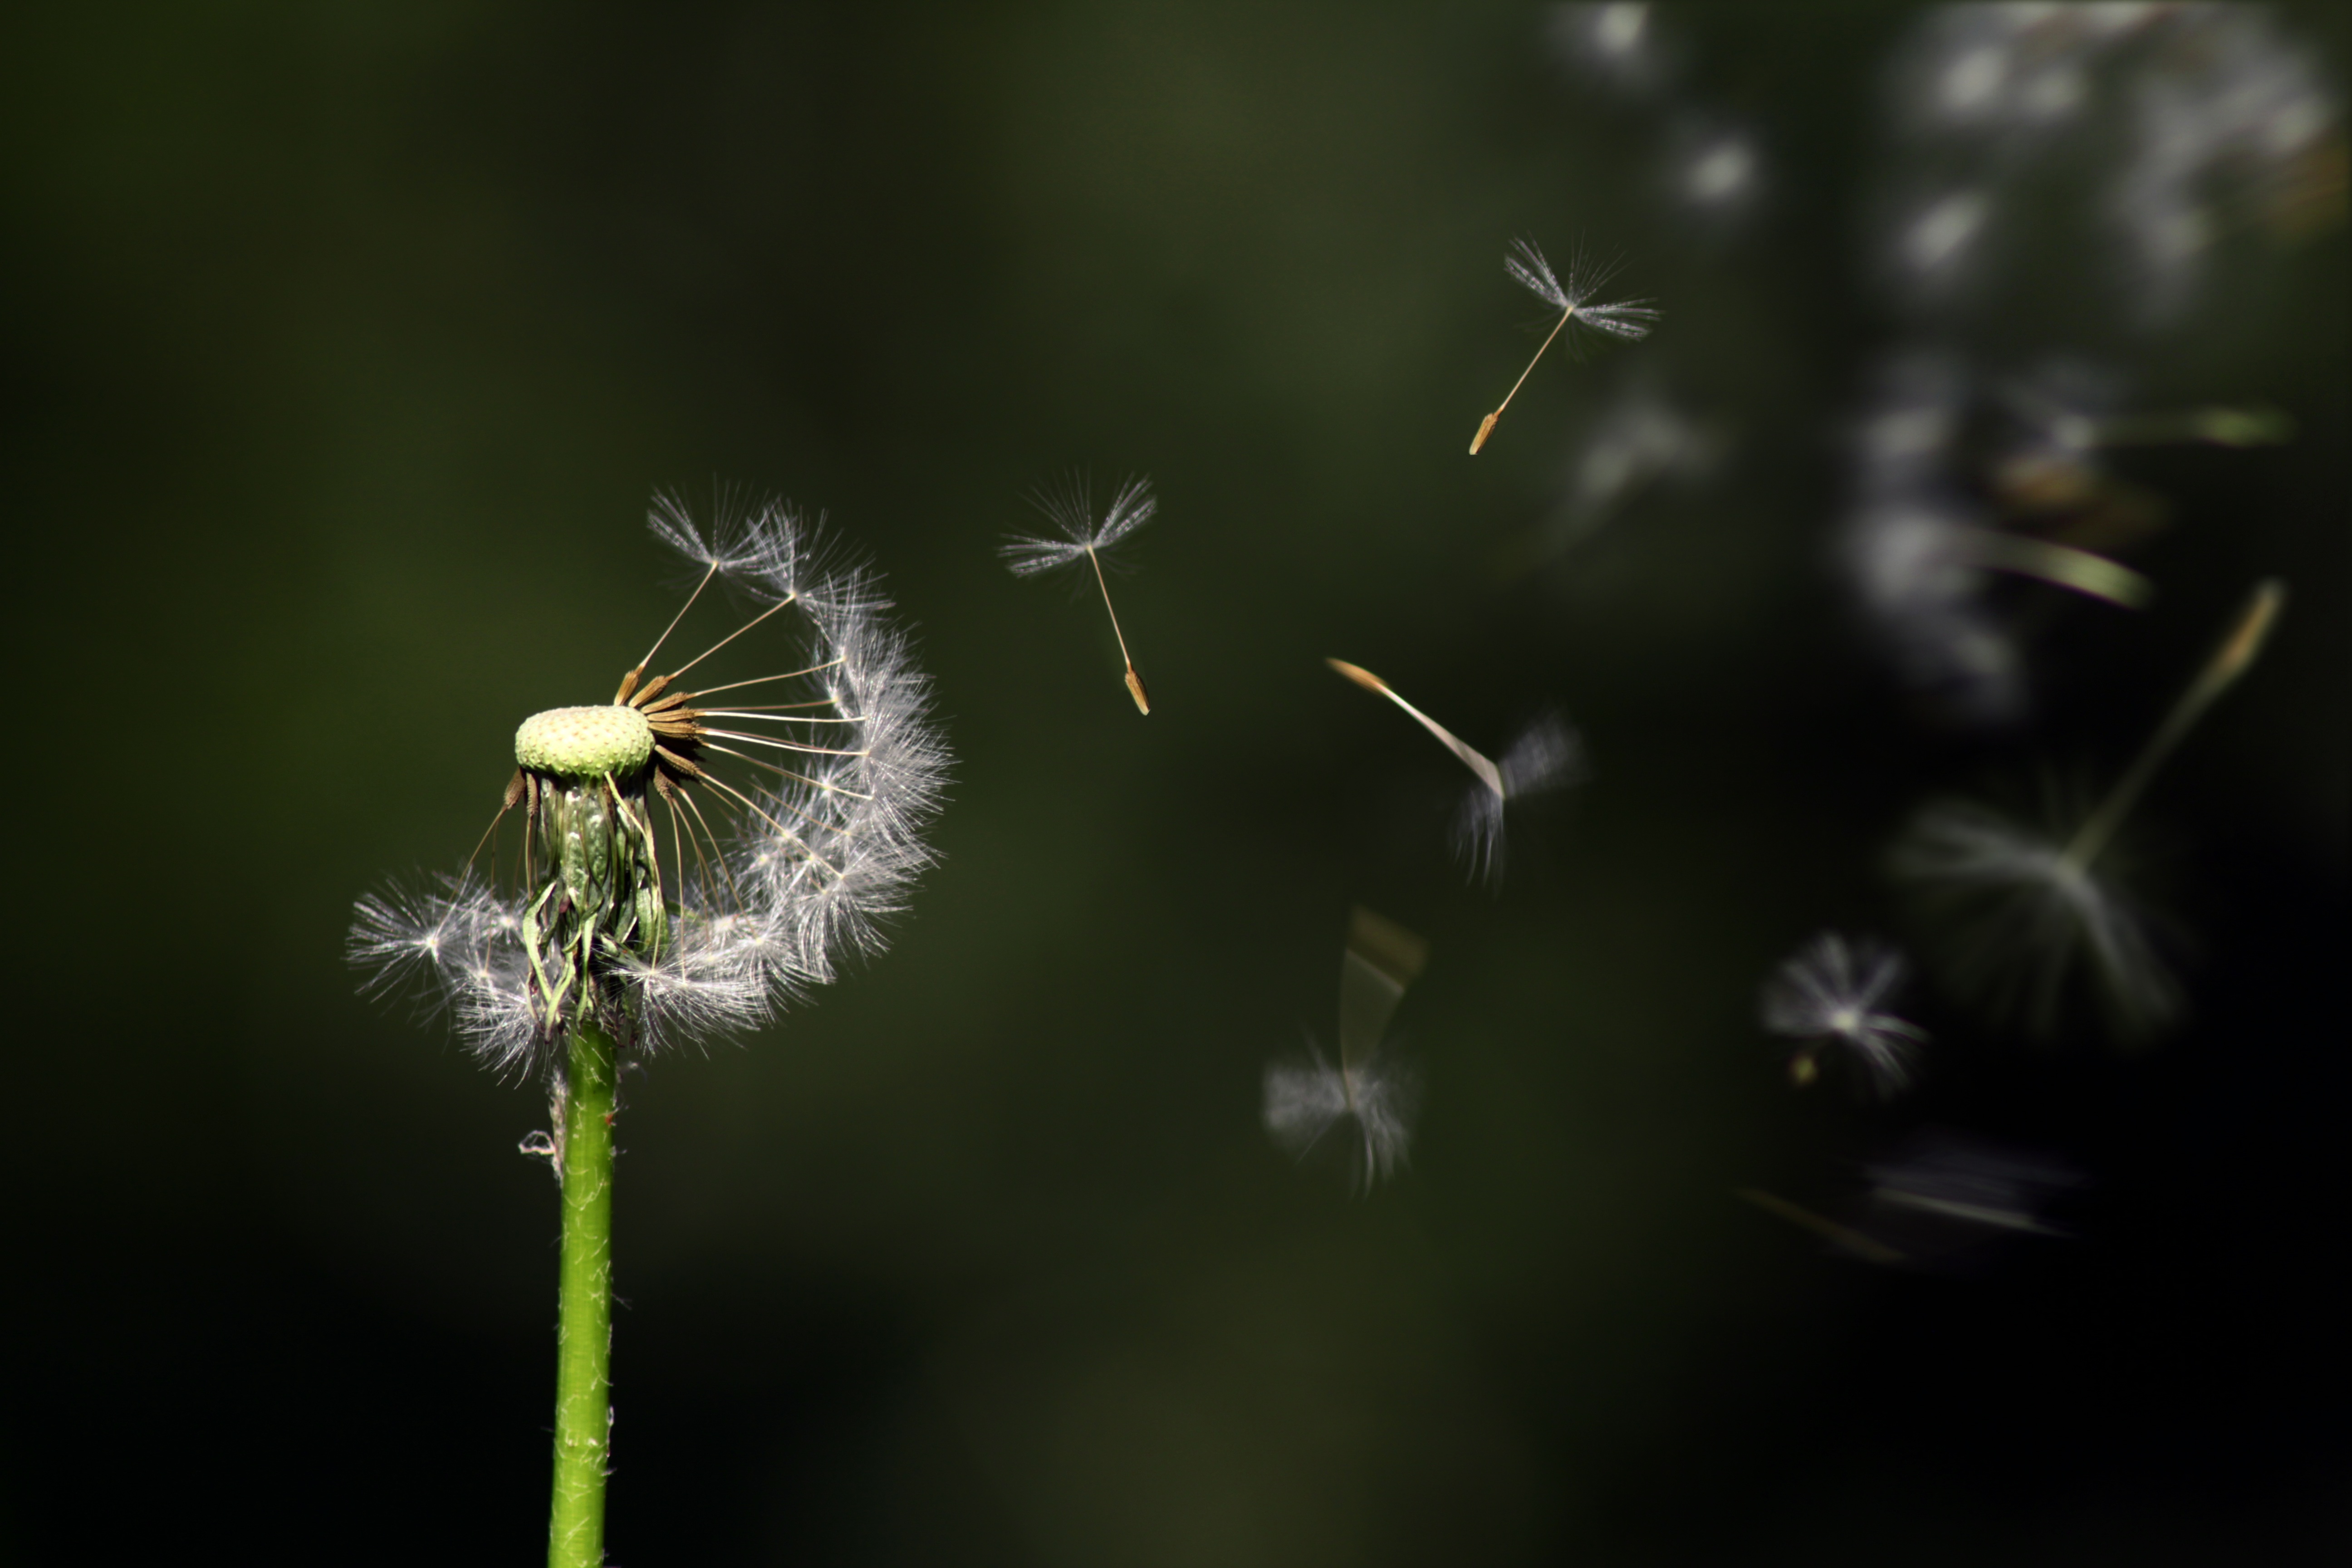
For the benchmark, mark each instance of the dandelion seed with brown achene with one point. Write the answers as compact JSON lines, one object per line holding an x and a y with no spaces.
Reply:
{"x":1629,"y":320}
{"x":2017,"y":908}
{"x":1548,"y":754}
{"x":1070,"y":509}
{"x":795,"y":801}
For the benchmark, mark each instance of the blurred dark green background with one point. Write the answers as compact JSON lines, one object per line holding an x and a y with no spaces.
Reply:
{"x":347,"y":345}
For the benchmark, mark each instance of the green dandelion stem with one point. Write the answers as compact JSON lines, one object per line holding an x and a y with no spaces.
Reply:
{"x":583,"y":1402}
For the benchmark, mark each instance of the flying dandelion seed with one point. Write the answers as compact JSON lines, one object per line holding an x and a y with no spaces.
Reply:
{"x":620,"y":942}
{"x":2020,"y":908}
{"x":1944,"y":1200}
{"x":1946,"y":1190}
{"x":1548,"y":755}
{"x":1629,"y":320}
{"x":1069,"y":509}
{"x":1644,"y":442}
{"x":1832,"y":993}
{"x":1306,"y":1100}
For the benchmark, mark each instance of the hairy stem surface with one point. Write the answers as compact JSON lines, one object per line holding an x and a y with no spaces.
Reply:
{"x":583,"y":1348}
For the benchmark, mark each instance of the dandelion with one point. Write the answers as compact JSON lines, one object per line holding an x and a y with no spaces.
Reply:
{"x":794,"y":804}
{"x":1831,"y":993}
{"x":2022,"y":906}
{"x":1069,"y":509}
{"x":1548,"y":755}
{"x":1629,"y":320}
{"x":1306,"y":1100}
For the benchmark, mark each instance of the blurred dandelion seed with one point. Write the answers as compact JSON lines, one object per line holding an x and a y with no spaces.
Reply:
{"x":1306,"y":1100}
{"x":2017,"y":905}
{"x":1967,"y":1189}
{"x":1548,"y":754}
{"x":1645,"y":442}
{"x":1613,"y":42}
{"x":1943,"y":1200}
{"x":1629,"y":320}
{"x":1831,"y":993}
{"x":1070,"y":509}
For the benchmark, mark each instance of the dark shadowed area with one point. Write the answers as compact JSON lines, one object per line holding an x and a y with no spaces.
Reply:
{"x":348,"y":346}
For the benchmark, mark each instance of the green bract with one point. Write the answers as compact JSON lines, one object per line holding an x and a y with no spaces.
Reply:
{"x":584,"y":742}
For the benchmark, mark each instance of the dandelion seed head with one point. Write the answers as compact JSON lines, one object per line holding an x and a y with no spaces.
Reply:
{"x":796,"y":803}
{"x":1833,"y":993}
